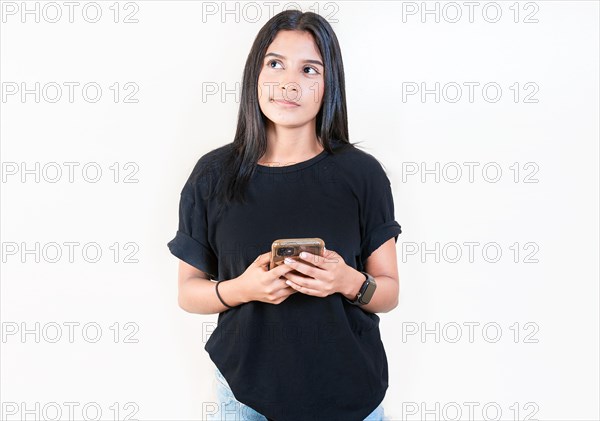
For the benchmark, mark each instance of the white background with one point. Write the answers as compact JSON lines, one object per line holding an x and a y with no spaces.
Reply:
{"x":156,"y":367}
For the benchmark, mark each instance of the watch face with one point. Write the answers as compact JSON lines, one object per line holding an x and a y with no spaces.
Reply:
{"x":366,"y":297}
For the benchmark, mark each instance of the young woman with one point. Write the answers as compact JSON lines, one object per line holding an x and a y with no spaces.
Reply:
{"x":299,"y":341}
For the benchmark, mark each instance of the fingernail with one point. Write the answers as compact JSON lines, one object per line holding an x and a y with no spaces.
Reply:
{"x":303,"y":255}
{"x":288,"y":260}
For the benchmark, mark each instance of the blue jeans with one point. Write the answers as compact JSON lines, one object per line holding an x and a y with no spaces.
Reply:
{"x":237,"y":411}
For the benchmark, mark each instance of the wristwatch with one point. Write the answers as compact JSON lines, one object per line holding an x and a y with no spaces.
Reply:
{"x":366,"y":291}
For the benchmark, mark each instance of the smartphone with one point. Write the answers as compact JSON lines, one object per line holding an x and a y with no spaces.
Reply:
{"x":291,"y":247}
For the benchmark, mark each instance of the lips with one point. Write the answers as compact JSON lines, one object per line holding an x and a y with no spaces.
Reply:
{"x":285,"y":102}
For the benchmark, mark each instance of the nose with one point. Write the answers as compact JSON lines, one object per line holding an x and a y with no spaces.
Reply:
{"x":291,"y":91}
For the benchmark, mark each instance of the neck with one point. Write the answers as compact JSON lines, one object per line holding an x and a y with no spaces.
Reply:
{"x":287,"y":145}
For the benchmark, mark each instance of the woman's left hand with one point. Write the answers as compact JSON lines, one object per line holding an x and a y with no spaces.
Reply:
{"x":330,"y":275}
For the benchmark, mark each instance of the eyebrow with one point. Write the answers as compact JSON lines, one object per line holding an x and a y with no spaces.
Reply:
{"x":305,"y":61}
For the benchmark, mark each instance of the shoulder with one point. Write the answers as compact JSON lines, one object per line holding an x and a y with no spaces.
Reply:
{"x":207,"y":169}
{"x":211,"y":163}
{"x":356,"y":164}
{"x":213,"y":160}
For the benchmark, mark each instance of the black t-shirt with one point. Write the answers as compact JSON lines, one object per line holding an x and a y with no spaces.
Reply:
{"x":307,"y":358}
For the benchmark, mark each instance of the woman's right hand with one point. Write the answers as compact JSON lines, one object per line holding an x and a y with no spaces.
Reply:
{"x":265,"y":285}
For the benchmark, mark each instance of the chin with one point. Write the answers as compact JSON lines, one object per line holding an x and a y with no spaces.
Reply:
{"x":288,"y":123}
{"x":292,"y":121}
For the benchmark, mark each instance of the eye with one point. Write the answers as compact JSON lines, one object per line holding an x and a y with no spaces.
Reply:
{"x":313,"y":69}
{"x":273,"y":61}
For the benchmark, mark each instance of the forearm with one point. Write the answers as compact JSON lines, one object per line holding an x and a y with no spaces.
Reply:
{"x":198,"y":295}
{"x":384,"y":299}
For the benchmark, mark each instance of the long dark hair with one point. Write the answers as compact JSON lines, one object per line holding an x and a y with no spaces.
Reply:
{"x":235,"y":163}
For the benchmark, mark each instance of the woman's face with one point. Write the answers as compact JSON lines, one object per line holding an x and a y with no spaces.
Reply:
{"x":292,"y":71}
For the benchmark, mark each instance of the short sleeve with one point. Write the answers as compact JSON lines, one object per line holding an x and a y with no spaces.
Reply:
{"x":377,"y":217}
{"x":191,"y":240}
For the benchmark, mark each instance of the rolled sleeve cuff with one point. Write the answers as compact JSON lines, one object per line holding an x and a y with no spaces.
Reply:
{"x":194,"y":253}
{"x":379,"y":236}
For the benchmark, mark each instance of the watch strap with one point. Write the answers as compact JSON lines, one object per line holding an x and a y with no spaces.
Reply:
{"x":357,"y":300}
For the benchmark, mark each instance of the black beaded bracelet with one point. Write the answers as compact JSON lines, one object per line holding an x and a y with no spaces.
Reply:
{"x":219,"y":295}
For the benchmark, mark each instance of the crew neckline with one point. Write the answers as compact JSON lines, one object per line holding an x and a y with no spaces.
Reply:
{"x":293,"y":167}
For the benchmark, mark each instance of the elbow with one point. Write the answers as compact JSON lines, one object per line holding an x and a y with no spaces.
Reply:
{"x":186,"y":303}
{"x":183,"y":302}
{"x":395,"y":304}
{"x":396,"y":299}
{"x":188,"y":297}
{"x":391,"y":307}
{"x":390,"y":301}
